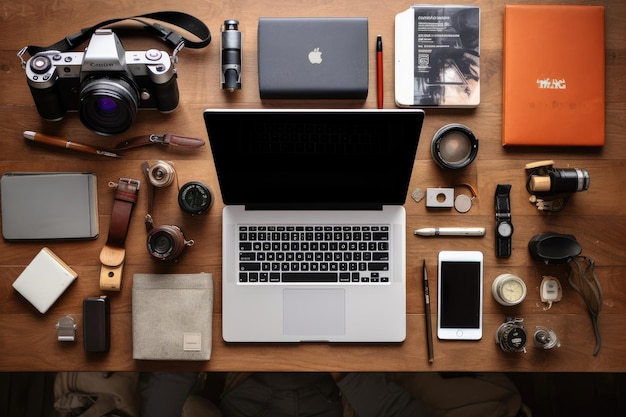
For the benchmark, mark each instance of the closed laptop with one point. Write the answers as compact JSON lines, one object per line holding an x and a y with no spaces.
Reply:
{"x":320,"y":58}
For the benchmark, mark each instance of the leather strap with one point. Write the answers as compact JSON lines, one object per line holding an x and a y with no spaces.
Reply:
{"x":167,"y":139}
{"x":113,"y":253}
{"x":503,"y":201}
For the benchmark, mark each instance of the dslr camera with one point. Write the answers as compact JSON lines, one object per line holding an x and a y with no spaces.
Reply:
{"x":105,"y":84}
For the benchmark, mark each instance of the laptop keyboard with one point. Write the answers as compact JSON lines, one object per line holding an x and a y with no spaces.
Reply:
{"x":274,"y":254}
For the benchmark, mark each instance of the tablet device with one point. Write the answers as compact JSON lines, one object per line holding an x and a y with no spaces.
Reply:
{"x":437,"y":56}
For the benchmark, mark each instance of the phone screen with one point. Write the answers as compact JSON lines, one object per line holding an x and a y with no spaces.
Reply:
{"x":460,"y":289}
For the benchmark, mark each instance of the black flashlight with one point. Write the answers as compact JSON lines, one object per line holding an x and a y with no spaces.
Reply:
{"x":231,"y":56}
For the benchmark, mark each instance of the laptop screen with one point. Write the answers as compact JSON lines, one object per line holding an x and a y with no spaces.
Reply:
{"x":314,"y":159}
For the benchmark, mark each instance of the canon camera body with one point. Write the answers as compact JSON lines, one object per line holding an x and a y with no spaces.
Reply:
{"x":105,"y":84}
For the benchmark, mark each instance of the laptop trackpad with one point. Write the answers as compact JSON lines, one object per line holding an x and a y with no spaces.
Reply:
{"x":314,"y":314}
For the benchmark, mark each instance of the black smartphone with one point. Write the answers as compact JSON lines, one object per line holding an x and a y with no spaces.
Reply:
{"x":96,"y":324}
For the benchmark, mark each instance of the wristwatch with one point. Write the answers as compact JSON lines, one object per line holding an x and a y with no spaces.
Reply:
{"x":504,"y":227}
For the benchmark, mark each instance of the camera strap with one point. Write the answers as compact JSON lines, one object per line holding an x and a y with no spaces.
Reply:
{"x":182,"y":20}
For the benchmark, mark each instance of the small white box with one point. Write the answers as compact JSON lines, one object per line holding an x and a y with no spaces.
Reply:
{"x":44,"y":280}
{"x":440,"y":197}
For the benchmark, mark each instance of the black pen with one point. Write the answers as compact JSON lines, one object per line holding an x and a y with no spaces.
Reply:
{"x":429,"y":326}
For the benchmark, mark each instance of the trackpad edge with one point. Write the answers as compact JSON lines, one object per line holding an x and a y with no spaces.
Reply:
{"x":314,"y":314}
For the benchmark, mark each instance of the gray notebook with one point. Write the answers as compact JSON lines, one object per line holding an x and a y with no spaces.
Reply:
{"x":49,"y":205}
{"x":172,"y":316}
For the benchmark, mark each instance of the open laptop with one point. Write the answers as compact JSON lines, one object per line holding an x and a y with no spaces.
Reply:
{"x":290,"y":180}
{"x":305,"y":57}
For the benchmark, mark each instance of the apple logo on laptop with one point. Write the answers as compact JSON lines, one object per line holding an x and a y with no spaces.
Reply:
{"x":315,"y":56}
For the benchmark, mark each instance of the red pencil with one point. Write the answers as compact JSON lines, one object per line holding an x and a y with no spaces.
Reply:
{"x":379,"y":70}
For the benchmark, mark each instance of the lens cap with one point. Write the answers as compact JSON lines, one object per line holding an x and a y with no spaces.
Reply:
{"x":194,"y":197}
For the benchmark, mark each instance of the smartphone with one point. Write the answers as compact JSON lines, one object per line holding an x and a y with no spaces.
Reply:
{"x":460,"y":295}
{"x":96,"y":324}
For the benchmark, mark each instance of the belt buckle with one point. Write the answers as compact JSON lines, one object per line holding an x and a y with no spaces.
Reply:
{"x":134,"y":182}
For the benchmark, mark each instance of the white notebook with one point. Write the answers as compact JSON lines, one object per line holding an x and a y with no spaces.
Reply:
{"x":49,"y":205}
{"x":44,"y":280}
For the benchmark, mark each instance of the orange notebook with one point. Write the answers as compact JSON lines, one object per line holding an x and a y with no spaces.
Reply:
{"x":553,"y":85}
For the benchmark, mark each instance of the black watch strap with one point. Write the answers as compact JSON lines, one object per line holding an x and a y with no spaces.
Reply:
{"x":503,"y":214}
{"x":503,"y":200}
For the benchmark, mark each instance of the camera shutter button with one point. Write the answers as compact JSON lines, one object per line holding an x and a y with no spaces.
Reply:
{"x":40,"y":64}
{"x":153,"y":54}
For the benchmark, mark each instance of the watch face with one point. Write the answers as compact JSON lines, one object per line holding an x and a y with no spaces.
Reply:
{"x":505,"y":229}
{"x":512,"y":290}
{"x":508,"y":289}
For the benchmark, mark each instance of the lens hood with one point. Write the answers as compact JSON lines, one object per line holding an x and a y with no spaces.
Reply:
{"x":554,"y":248}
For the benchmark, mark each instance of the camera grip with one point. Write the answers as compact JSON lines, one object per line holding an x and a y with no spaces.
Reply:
{"x":48,"y":103}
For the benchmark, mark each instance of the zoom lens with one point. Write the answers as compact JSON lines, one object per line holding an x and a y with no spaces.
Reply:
{"x":108,"y":105}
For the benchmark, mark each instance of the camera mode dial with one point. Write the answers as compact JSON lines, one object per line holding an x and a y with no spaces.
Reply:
{"x":40,"y":64}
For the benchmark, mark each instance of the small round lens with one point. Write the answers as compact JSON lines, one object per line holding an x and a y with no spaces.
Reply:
{"x":166,"y":243}
{"x":162,"y":243}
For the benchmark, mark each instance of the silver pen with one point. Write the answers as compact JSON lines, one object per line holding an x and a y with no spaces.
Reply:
{"x":451,"y":231}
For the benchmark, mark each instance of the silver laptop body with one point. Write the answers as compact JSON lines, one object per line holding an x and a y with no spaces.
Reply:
{"x":352,"y":173}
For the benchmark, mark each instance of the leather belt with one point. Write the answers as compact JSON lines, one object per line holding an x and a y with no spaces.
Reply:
{"x":113,"y":253}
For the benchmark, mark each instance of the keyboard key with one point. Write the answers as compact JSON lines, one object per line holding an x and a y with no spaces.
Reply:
{"x":378,"y":266}
{"x":310,"y":277}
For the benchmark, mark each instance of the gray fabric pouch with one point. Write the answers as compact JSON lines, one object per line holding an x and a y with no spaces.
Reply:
{"x":172,"y":316}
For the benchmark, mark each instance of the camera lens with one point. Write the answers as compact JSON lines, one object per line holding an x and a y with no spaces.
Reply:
{"x":166,"y":242}
{"x":108,"y":105}
{"x":454,"y":146}
{"x":162,"y":243}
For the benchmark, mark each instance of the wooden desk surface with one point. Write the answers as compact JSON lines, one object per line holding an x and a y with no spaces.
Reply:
{"x":596,"y":217}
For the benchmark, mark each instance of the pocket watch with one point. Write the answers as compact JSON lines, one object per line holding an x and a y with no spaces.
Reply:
{"x":508,"y":289}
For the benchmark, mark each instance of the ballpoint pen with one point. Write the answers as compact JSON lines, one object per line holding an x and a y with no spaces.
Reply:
{"x":379,"y":70}
{"x":429,"y":326}
{"x":450,"y":231}
{"x":64,"y":143}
